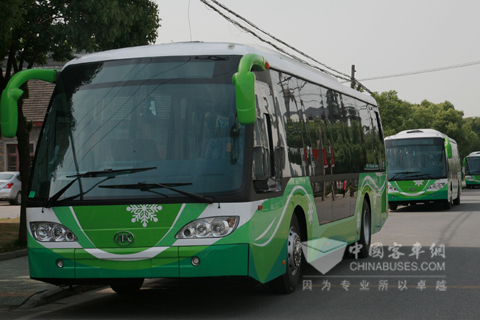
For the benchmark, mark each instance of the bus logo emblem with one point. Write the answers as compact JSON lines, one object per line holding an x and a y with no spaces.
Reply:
{"x":124,"y":238}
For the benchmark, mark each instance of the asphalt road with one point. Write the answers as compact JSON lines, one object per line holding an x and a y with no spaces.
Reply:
{"x":425,"y":267}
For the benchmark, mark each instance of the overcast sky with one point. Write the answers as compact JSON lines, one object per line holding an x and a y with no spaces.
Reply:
{"x":380,"y":37}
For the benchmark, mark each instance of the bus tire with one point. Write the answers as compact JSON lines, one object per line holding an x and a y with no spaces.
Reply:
{"x":127,"y":286}
{"x":366,"y":233}
{"x":448,"y":204}
{"x":288,"y":281}
{"x":393,"y":206}
{"x":457,"y":201}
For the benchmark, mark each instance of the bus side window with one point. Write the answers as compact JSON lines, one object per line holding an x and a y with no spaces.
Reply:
{"x":261,"y":150}
{"x":264,"y":170}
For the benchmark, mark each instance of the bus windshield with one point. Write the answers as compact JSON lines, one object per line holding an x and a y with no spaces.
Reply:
{"x":473,"y":165}
{"x":174,"y":116}
{"x":419,"y":158}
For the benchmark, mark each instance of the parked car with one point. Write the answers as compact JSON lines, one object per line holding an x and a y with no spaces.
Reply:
{"x":11,"y":187}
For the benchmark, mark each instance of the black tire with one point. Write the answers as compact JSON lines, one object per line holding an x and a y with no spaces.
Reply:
{"x":393,"y":206}
{"x":127,"y":286}
{"x":18,"y":198}
{"x":288,"y":281}
{"x":457,"y":201}
{"x":366,"y":233}
{"x":448,"y":204}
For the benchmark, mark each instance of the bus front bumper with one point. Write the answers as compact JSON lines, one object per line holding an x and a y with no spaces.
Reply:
{"x":426,"y":197}
{"x":78,"y":266}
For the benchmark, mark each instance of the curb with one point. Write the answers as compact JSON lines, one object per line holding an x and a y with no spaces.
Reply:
{"x":13,"y":254}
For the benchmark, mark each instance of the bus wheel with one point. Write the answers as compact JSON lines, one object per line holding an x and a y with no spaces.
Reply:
{"x":393,"y":206}
{"x":448,"y":204}
{"x":287,"y":282}
{"x":457,"y":201}
{"x":127,"y":286}
{"x":366,"y":233}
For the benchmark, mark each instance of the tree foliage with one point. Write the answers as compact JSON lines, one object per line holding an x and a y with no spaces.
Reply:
{"x":398,"y":115}
{"x":394,"y":112}
{"x":32,"y":31}
{"x":56,"y":28}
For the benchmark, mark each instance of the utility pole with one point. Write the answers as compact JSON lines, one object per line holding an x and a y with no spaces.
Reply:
{"x":352,"y":85}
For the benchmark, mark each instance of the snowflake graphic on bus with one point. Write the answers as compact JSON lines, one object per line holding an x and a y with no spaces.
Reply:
{"x":144,"y":213}
{"x":418,"y":183}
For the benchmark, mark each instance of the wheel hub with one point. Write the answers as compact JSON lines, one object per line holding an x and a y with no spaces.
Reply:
{"x":294,"y":251}
{"x":366,"y":224}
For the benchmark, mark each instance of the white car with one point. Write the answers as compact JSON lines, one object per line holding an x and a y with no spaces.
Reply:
{"x":11,"y":187}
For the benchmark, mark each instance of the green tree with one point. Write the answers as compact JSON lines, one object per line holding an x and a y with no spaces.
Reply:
{"x":393,"y":111}
{"x":34,"y":30}
{"x":472,"y":141}
{"x":474,"y":124}
{"x":398,"y":115}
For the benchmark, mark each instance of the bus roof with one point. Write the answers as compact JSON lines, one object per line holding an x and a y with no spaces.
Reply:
{"x":419,"y":133}
{"x":276,"y":60}
{"x":474,"y":154}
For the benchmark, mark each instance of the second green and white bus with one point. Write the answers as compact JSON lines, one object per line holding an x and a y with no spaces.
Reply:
{"x":471,"y":165}
{"x":198,"y":160}
{"x":423,"y":167}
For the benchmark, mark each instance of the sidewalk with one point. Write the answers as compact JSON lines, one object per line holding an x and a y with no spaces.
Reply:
{"x":17,"y":290}
{"x":16,"y":287}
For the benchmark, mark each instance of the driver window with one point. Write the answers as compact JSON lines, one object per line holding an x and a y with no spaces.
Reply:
{"x":262,"y":147}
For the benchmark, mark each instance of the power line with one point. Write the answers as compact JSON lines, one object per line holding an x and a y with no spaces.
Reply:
{"x":276,"y":39}
{"x":467,"y":64}
{"x":189,"y":26}
{"x":339,"y":74}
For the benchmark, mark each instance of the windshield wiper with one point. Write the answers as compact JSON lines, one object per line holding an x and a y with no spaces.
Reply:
{"x":142,"y":186}
{"x":400,"y":173}
{"x":108,"y":173}
{"x":422,"y":175}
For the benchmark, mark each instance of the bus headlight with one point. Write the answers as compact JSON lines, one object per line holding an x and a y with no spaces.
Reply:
{"x":391,"y":188}
{"x":51,"y":232}
{"x":436,"y":186}
{"x":216,"y":227}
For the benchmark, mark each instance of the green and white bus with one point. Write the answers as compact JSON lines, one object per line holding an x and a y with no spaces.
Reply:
{"x":198,"y":160}
{"x":423,"y":167}
{"x":471,"y":165}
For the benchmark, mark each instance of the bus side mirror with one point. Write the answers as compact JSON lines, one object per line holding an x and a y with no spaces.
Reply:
{"x":448,"y":148}
{"x":244,"y":81}
{"x":11,"y":94}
